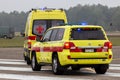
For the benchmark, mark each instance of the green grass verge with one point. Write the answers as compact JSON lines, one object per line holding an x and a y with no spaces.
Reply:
{"x":115,"y":40}
{"x":19,"y":41}
{"x":15,"y":42}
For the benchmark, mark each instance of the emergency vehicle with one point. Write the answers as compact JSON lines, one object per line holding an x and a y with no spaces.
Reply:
{"x":73,"y":46}
{"x":38,"y":21}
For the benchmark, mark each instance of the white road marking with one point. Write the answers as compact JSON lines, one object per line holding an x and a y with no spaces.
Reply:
{"x":11,"y":60}
{"x":15,"y":68}
{"x":17,"y":63}
{"x":28,"y":69}
{"x":112,"y":74}
{"x":115,"y":65}
{"x":114,"y":68}
{"x":30,"y":77}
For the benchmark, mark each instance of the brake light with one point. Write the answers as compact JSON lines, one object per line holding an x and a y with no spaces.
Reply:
{"x":68,"y":45}
{"x":108,"y":45}
{"x":31,"y":37}
{"x":105,"y":48}
{"x":29,"y":44}
{"x":72,"y":47}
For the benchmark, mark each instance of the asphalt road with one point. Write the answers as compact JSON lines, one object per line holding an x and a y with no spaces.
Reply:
{"x":13,"y":67}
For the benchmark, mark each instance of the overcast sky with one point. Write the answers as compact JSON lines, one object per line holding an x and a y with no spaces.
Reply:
{"x":26,"y":5}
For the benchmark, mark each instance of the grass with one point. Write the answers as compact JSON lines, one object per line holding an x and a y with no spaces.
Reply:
{"x":19,"y":41}
{"x":115,"y":40}
{"x":15,"y":42}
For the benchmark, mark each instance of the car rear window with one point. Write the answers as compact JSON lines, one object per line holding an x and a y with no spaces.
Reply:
{"x":87,"y":34}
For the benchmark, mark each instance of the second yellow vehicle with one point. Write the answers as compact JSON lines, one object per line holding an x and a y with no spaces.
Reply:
{"x":74,"y":46}
{"x":39,"y":20}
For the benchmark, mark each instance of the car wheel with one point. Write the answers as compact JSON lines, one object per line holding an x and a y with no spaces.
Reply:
{"x":5,"y":37}
{"x":56,"y":67}
{"x":101,"y":69}
{"x":28,"y":61}
{"x":24,"y":57}
{"x":75,"y":67}
{"x":35,"y":66}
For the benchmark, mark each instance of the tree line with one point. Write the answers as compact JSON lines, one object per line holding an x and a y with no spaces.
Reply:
{"x":105,"y":16}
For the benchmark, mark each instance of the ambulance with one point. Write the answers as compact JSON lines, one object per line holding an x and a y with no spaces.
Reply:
{"x":73,"y":47}
{"x":38,"y":21}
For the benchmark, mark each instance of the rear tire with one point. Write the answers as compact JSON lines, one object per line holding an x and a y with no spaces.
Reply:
{"x":56,"y":67}
{"x":35,"y":66}
{"x":24,"y":57}
{"x":101,"y":69}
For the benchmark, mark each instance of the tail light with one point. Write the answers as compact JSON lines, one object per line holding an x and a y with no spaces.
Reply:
{"x":108,"y":45}
{"x":68,"y":45}
{"x":105,"y":48}
{"x":29,"y":44}
{"x":31,"y":37}
{"x":72,"y":47}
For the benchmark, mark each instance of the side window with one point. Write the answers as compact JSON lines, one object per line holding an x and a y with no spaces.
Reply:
{"x":60,"y":34}
{"x":47,"y":35}
{"x":53,"y":35}
{"x":57,"y":34}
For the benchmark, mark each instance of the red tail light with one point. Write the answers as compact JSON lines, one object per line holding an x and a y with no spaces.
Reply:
{"x":72,"y":47}
{"x":31,"y":37}
{"x":29,"y":44}
{"x":108,"y":45}
{"x":68,"y":45}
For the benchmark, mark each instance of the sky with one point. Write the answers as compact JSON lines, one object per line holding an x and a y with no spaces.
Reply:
{"x":26,"y":5}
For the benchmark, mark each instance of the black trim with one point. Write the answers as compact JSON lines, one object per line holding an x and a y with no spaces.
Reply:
{"x":91,"y":58}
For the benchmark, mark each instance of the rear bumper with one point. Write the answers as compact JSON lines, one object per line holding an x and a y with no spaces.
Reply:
{"x":85,"y":61}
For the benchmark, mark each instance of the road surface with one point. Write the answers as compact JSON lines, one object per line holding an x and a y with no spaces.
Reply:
{"x":13,"y":67}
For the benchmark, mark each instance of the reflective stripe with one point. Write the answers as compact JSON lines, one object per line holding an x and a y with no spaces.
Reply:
{"x":47,"y":49}
{"x":36,"y":49}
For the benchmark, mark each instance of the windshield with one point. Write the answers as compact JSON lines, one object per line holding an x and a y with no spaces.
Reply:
{"x":87,"y":34}
{"x":40,"y":26}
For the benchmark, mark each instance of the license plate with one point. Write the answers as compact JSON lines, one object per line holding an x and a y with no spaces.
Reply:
{"x":89,"y":50}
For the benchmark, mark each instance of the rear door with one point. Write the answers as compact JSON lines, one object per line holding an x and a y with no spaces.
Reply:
{"x":56,"y":42}
{"x":45,"y":47}
{"x":89,"y":42}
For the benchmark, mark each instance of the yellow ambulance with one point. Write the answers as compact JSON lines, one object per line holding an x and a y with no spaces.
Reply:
{"x":73,"y":46}
{"x":37,"y":22}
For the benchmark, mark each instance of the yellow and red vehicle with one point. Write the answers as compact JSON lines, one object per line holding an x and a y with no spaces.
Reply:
{"x":74,"y":46}
{"x":37,"y":23}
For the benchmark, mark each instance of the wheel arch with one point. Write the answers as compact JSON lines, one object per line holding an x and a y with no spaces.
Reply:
{"x":54,"y":53}
{"x":32,"y":53}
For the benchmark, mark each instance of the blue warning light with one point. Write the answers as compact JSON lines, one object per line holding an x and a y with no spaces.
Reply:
{"x":83,"y":23}
{"x":79,"y":30}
